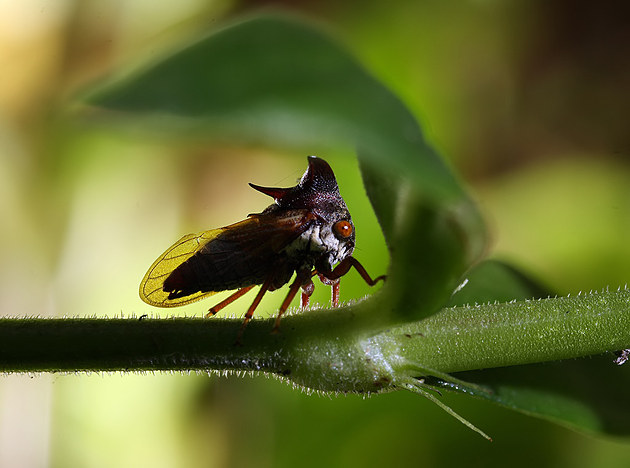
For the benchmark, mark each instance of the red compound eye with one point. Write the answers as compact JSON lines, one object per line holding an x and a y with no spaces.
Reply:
{"x":343,"y":229}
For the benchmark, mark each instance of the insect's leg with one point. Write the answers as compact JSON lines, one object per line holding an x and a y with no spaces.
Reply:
{"x":302,"y":277}
{"x":335,"y":294}
{"x":228,"y":301}
{"x":345,"y":266}
{"x":307,"y":290}
{"x":334,"y":284}
{"x":252,"y":308}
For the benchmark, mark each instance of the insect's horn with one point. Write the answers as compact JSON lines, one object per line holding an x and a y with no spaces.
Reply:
{"x":319,"y":176}
{"x":274,"y":192}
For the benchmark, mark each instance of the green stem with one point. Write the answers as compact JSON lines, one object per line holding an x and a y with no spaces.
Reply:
{"x":328,"y":350}
{"x":516,"y":333}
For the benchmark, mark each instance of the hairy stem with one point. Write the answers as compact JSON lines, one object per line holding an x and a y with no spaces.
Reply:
{"x":329,"y":350}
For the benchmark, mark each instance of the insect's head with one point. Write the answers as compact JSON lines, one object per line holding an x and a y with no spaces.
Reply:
{"x":318,"y":192}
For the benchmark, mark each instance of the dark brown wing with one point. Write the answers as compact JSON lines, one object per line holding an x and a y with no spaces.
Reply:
{"x":239,"y":255}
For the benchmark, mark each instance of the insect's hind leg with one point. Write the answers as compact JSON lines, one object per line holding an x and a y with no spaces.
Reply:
{"x":228,"y":301}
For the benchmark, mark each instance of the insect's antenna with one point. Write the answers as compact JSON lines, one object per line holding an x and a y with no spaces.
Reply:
{"x":241,"y":292}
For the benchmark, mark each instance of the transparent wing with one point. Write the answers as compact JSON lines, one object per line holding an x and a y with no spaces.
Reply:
{"x":151,"y":286}
{"x":231,"y":257}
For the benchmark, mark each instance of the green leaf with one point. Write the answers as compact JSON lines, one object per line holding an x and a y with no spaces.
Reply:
{"x":275,"y":79}
{"x":588,"y":394}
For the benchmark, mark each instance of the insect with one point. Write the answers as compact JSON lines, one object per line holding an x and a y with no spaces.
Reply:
{"x":306,"y":231}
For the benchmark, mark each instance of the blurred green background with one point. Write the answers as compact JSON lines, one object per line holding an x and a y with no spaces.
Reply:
{"x":527,"y":100}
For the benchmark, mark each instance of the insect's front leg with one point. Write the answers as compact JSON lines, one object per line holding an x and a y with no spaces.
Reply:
{"x":332,"y":277}
{"x":343,"y":268}
{"x":307,"y":291}
{"x":334,"y":287}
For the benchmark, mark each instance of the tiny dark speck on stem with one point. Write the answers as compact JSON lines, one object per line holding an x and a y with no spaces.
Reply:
{"x":409,"y":335}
